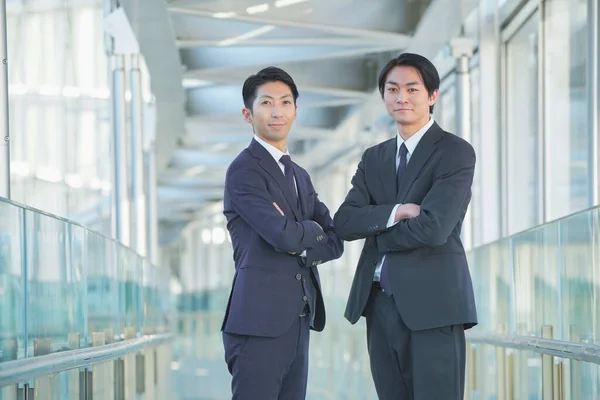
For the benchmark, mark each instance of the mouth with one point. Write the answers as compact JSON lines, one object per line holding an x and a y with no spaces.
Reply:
{"x":402,"y":109}
{"x":276,"y":125}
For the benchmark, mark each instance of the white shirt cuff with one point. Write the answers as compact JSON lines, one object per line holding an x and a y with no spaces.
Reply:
{"x":392,"y":217}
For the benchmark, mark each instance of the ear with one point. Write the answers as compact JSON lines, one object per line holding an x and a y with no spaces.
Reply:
{"x":433,"y":97}
{"x":247,"y":113}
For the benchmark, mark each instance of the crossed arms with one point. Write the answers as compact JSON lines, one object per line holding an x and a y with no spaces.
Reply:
{"x":251,"y":200}
{"x":414,"y":226}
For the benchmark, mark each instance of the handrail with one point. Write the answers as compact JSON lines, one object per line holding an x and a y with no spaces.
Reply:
{"x":13,"y":372}
{"x":575,"y":351}
{"x":70,"y":222}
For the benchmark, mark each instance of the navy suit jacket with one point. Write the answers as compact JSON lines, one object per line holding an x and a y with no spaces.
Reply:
{"x":269,"y":285}
{"x":428,"y":268}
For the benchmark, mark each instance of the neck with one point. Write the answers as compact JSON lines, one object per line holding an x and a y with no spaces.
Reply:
{"x":407,"y":131}
{"x":280,"y":145}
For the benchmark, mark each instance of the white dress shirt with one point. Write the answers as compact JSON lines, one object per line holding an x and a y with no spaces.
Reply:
{"x":411,"y":145}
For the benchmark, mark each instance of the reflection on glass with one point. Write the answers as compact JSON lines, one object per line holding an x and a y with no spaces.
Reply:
{"x":522,"y":158}
{"x":64,"y":285}
{"x":566,"y":107}
{"x":12,"y":294}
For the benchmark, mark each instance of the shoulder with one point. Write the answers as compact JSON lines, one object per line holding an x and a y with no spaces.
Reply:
{"x":244,"y":162}
{"x":376,"y":151}
{"x":453,"y":144}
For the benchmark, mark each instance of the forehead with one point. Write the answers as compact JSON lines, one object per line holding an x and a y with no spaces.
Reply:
{"x":401,"y":75}
{"x":273,"y":89}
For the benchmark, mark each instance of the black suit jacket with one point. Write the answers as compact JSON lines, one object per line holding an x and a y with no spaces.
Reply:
{"x":270,"y":285}
{"x":428,"y":268}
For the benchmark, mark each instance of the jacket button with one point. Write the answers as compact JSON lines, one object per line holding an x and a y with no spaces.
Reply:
{"x":298,"y":276}
{"x":304,"y":298}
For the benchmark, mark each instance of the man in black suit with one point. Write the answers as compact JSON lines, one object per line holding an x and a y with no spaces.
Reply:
{"x":280,"y":232}
{"x":408,"y":200}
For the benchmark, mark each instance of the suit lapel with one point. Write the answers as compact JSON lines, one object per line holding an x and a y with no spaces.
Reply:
{"x":388,"y":170}
{"x":424,"y":150}
{"x":266,"y":162}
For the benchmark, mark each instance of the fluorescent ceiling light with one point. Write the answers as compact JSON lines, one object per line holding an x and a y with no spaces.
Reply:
{"x":230,"y":14}
{"x":258,"y":9}
{"x":190,"y":83}
{"x":285,"y":3}
{"x":248,"y":35}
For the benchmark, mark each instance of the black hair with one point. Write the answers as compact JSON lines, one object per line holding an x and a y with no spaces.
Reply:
{"x":266,"y":75}
{"x":424,"y":67}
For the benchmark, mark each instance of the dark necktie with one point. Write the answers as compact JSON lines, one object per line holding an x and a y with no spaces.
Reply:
{"x":384,"y":280}
{"x":289,"y":173}
{"x":401,"y":166}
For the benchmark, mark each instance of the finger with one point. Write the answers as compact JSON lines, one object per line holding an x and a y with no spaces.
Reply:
{"x":278,"y":209}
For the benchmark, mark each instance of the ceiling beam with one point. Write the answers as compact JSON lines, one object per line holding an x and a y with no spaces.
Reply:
{"x":268,"y":42}
{"x":395,"y":38}
{"x":302,"y":56}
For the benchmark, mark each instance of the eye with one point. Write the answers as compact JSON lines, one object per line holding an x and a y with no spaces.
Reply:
{"x":412,"y":90}
{"x":287,"y":102}
{"x":391,"y":89}
{"x":266,"y":102}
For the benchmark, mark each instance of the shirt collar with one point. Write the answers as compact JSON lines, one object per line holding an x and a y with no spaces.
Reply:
{"x":273,"y":151}
{"x":413,"y":141}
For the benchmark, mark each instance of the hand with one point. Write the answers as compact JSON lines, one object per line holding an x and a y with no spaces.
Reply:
{"x":281,"y":212}
{"x":408,"y":210}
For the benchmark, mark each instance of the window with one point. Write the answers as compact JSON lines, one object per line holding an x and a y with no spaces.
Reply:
{"x":521,"y":152}
{"x":566,"y":112}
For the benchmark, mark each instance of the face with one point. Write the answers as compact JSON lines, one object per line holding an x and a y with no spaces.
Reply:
{"x":273,"y":113}
{"x":406,"y":98}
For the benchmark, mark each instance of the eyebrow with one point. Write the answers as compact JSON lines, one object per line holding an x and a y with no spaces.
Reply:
{"x":415,"y":83}
{"x":271,"y":97}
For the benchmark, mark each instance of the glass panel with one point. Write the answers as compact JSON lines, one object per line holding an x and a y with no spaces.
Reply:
{"x":566,"y":106}
{"x":56,"y":285}
{"x":103,"y":292}
{"x":522,"y":158}
{"x":535,"y":258}
{"x":579,"y":285}
{"x":12,"y":295}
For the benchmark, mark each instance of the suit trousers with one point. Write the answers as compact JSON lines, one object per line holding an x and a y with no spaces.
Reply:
{"x":269,"y":368}
{"x":415,"y":365}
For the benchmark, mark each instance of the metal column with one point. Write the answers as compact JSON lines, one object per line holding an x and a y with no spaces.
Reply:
{"x":151,"y":215}
{"x":594,"y":101}
{"x":138,"y":214}
{"x":462,"y":51}
{"x":4,"y":121}
{"x":121,"y":217}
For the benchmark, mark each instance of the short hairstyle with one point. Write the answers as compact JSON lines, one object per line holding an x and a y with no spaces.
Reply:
{"x":424,"y":67}
{"x":266,"y":75}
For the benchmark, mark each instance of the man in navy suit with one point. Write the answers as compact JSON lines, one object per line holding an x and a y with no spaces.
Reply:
{"x":280,"y":232}
{"x":408,"y":200}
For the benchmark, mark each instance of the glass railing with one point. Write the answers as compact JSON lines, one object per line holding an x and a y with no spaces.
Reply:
{"x":538,"y":298}
{"x":66,"y":288}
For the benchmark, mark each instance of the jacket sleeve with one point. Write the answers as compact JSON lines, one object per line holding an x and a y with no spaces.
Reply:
{"x":441,"y":209}
{"x":330,"y":249}
{"x":357,"y":218}
{"x":252,"y":201}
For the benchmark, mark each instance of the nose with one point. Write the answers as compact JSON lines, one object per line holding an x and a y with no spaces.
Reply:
{"x":276,"y":111}
{"x":402,"y":97}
